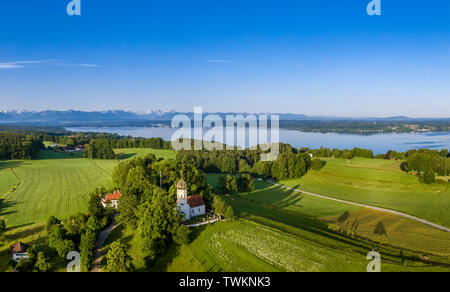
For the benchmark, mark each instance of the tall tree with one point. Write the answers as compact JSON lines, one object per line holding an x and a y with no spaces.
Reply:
{"x":118,"y":259}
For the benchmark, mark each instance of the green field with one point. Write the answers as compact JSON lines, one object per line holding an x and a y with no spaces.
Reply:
{"x":356,"y":221}
{"x":55,"y":184}
{"x":247,"y":246}
{"x":378,"y":183}
{"x":277,"y":229}
{"x":129,"y":153}
{"x":282,"y":230}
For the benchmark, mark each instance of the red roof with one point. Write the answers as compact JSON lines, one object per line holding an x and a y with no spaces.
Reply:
{"x":19,"y":247}
{"x":195,"y":201}
{"x":113,"y":197}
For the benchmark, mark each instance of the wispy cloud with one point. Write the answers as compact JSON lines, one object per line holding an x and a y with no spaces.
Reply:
{"x":219,"y":61}
{"x":23,"y":64}
{"x":77,"y":65}
{"x":90,"y":65}
{"x":10,"y":66}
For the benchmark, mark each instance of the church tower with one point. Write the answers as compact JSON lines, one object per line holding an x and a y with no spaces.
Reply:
{"x":182,"y":201}
{"x":182,"y":192}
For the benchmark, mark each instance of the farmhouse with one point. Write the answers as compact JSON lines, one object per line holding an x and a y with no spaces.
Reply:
{"x":191,"y":206}
{"x":112,"y":200}
{"x":19,"y":251}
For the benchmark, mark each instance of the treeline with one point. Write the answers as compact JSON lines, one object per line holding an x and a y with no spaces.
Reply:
{"x":428,"y":164}
{"x":16,"y":146}
{"x":367,"y":127}
{"x":291,"y":163}
{"x":337,"y":153}
{"x":100,"y":149}
{"x":114,"y":141}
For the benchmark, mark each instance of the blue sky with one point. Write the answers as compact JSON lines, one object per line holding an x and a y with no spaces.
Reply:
{"x":318,"y":57}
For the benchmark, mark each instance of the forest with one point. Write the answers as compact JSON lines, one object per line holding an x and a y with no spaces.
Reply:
{"x":18,"y":146}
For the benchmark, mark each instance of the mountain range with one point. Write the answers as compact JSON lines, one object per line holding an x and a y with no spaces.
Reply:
{"x":81,"y":117}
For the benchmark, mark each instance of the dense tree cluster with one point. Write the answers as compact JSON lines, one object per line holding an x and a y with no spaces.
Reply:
{"x":428,"y":161}
{"x":337,"y":153}
{"x":114,"y":141}
{"x":100,"y":149}
{"x":16,"y":146}
{"x":79,"y":232}
{"x":290,"y":163}
{"x":245,"y":183}
{"x":227,"y":184}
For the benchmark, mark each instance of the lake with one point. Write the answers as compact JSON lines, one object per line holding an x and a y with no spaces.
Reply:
{"x":378,"y":143}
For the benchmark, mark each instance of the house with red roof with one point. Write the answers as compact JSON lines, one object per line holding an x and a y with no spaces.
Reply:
{"x":19,"y":251}
{"x":112,"y":200}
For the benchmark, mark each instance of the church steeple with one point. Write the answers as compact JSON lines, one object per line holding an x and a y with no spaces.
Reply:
{"x":182,"y":192}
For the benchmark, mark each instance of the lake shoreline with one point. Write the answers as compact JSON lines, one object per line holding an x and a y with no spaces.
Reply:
{"x":379,"y":143}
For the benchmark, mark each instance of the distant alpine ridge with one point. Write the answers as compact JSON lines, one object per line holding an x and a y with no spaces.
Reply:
{"x":97,"y":117}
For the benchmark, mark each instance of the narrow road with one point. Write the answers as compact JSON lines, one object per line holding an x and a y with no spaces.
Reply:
{"x":366,"y":206}
{"x":99,"y":246}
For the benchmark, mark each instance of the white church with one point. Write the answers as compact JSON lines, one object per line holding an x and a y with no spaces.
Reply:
{"x":191,"y":206}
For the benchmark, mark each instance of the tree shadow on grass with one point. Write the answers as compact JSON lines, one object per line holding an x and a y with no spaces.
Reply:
{"x":53,"y":155}
{"x":272,"y":217}
{"x":11,"y":164}
{"x":5,"y":205}
{"x":125,"y":156}
{"x":280,"y":198}
{"x":23,"y":233}
{"x":344,"y":217}
{"x":196,"y":232}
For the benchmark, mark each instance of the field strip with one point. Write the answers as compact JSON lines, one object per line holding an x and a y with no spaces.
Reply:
{"x":366,"y":206}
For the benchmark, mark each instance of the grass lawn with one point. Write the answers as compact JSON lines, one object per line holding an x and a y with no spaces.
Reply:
{"x":359,"y":222}
{"x":55,"y":184}
{"x":400,"y":232}
{"x":378,"y":183}
{"x":130,"y":153}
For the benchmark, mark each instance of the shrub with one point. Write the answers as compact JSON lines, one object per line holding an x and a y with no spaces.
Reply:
{"x":317,"y":164}
{"x":428,"y":178}
{"x":229,"y":214}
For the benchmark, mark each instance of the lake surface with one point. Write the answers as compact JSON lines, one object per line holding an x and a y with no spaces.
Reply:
{"x":378,"y":143}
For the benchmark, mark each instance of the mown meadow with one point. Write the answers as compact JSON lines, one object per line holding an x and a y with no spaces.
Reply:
{"x":282,"y":230}
{"x":379,"y":183}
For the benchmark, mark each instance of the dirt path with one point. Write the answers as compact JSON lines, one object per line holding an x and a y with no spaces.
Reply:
{"x":366,"y":206}
{"x":99,"y":246}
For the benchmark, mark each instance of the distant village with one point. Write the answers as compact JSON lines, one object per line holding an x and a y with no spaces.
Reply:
{"x":68,"y":148}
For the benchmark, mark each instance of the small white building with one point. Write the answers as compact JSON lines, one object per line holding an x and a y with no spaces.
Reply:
{"x":191,"y":206}
{"x":19,"y":251}
{"x":112,"y":200}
